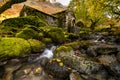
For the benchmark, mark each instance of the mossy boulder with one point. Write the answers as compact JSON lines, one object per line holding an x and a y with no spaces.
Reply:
{"x":11,"y":47}
{"x":74,"y":45}
{"x":73,"y":36}
{"x":63,"y":49}
{"x":85,"y":43}
{"x":14,"y":25}
{"x":36,"y":46}
{"x":79,"y":63}
{"x":56,"y":34}
{"x":19,"y":22}
{"x":46,"y":40}
{"x":28,"y":33}
{"x":40,"y":36}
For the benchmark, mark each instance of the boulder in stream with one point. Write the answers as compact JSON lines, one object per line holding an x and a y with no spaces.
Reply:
{"x":79,"y":63}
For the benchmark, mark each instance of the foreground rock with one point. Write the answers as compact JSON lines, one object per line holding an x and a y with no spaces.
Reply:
{"x":31,"y":72}
{"x":79,"y":63}
{"x":11,"y":47}
{"x":57,"y":69}
{"x":18,"y":47}
{"x":111,"y":64}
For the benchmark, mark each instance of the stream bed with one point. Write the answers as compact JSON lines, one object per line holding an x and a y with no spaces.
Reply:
{"x":99,"y":61}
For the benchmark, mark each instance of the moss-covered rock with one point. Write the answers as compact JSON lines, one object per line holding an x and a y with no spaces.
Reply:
{"x":14,"y":25}
{"x":40,"y":36}
{"x":73,"y":36}
{"x":79,"y":63}
{"x":63,"y":49}
{"x":28,"y":33}
{"x":19,"y":22}
{"x":11,"y":47}
{"x":74,"y":45}
{"x":86,"y":43}
{"x":36,"y":46}
{"x":46,"y":40}
{"x":55,"y":33}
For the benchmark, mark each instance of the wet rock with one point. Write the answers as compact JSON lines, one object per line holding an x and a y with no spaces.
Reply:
{"x":115,"y":70}
{"x":101,"y":49}
{"x":111,"y":64}
{"x":43,"y":61}
{"x":57,"y":69}
{"x":81,"y":64}
{"x":107,"y":59}
{"x":84,"y":35}
{"x":75,"y":76}
{"x":118,"y":56}
{"x":10,"y":67}
{"x":100,"y":75}
{"x":31,"y":72}
{"x":2,"y":70}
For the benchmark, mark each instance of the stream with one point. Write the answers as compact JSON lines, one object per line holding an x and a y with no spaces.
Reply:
{"x":42,"y":66}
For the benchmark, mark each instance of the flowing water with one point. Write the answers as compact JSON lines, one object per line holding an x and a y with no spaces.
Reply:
{"x":48,"y":53}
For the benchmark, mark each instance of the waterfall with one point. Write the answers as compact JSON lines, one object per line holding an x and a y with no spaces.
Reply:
{"x":48,"y":53}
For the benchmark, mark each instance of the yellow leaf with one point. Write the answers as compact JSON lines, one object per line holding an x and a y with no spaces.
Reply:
{"x":38,"y":70}
{"x":61,"y":64}
{"x":58,"y":60}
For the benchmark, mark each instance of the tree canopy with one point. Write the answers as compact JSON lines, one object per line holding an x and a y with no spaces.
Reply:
{"x":95,"y":11}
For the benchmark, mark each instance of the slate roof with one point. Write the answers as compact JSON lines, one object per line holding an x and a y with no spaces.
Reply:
{"x":46,"y":7}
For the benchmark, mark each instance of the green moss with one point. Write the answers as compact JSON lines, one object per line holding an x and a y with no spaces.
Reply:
{"x":74,"y":45}
{"x":37,"y":46}
{"x":73,"y":36}
{"x":40,"y":36}
{"x":56,"y":34}
{"x":47,"y":40}
{"x":63,"y":49}
{"x":28,"y":33}
{"x":86,"y":44}
{"x":19,"y":22}
{"x":11,"y":47}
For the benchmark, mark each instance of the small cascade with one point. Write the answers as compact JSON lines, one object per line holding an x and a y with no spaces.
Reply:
{"x":48,"y":53}
{"x":98,"y":38}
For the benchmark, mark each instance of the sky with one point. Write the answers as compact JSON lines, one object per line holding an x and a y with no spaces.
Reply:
{"x":63,"y":2}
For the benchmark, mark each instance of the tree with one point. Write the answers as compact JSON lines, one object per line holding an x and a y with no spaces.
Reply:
{"x":95,"y":12}
{"x":9,"y":3}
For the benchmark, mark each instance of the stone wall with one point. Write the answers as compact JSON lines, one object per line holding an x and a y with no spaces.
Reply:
{"x":51,"y":20}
